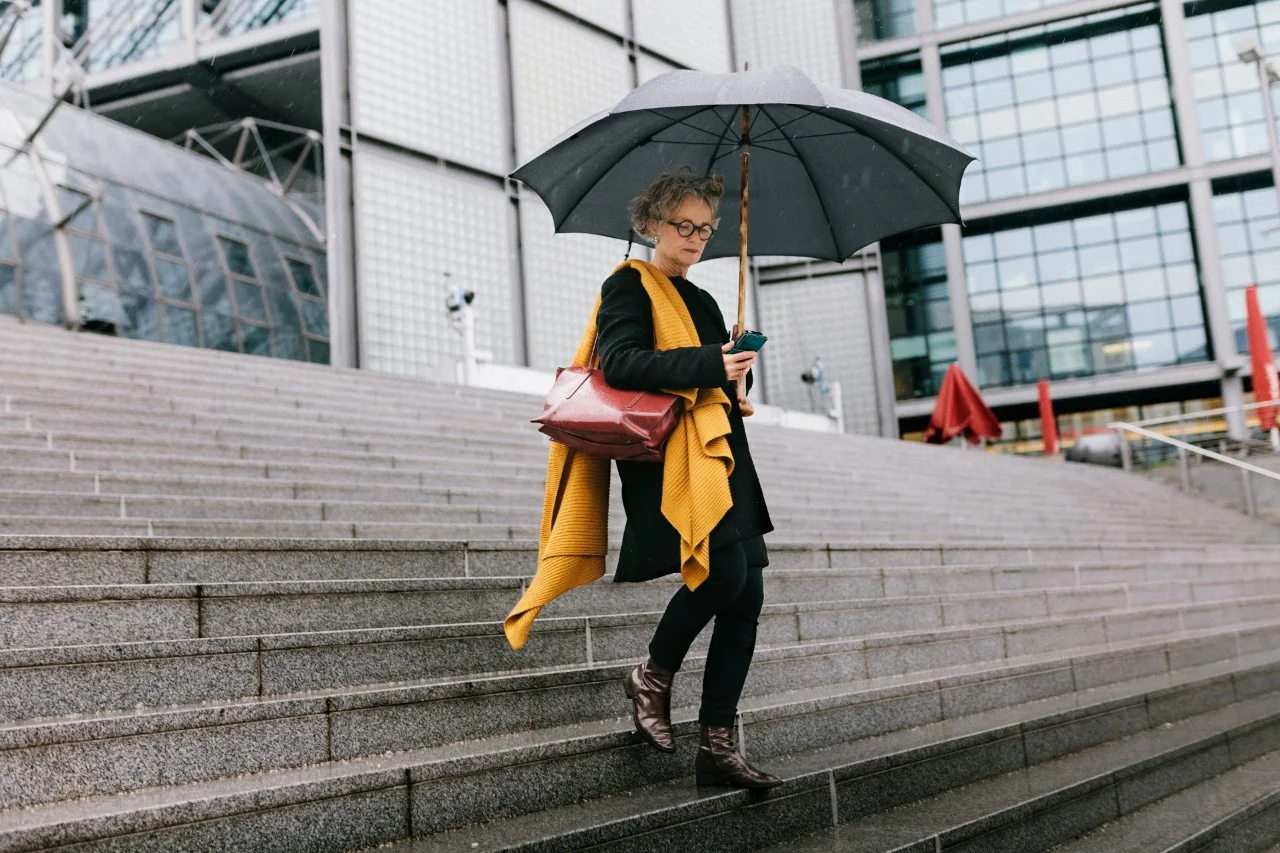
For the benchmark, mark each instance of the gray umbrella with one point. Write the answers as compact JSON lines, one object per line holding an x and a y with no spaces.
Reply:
{"x":829,"y":171}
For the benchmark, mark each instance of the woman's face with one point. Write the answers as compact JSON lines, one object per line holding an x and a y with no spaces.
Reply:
{"x":684,"y":251}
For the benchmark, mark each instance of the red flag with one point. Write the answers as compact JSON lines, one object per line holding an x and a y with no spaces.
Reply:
{"x":1048,"y":426}
{"x":1266,"y":385}
{"x":960,"y":411}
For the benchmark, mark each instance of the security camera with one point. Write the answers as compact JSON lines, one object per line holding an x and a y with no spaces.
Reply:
{"x":457,"y":298}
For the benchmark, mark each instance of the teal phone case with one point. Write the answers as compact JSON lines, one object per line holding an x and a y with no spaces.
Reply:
{"x":749,"y":341}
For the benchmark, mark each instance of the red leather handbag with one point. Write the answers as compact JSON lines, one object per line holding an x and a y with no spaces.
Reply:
{"x":585,"y":413}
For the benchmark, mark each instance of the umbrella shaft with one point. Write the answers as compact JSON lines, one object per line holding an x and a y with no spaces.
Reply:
{"x":745,"y":160}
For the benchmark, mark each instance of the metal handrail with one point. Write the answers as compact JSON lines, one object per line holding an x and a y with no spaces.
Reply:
{"x":1184,"y":448}
{"x":1205,"y":414}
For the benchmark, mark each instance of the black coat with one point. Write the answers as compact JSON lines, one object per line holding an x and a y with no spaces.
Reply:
{"x":650,"y":545}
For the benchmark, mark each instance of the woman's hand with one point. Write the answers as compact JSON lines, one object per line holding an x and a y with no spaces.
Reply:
{"x":737,"y":364}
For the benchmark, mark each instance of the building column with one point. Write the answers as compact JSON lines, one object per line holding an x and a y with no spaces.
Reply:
{"x":189,"y":25}
{"x":1201,"y":202}
{"x":50,"y":16}
{"x":521,"y":325}
{"x":339,"y":180}
{"x":881,"y":356}
{"x":953,"y":250}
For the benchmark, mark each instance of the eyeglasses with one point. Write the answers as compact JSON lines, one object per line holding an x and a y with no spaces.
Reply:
{"x":687,"y":229}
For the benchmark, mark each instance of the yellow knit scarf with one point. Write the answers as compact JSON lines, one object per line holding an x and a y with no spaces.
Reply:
{"x":695,"y":477}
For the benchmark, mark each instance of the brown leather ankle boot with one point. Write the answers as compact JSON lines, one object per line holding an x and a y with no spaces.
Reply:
{"x":649,"y":689}
{"x":720,"y":763}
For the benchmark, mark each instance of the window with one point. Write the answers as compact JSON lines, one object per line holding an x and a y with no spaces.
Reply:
{"x":1097,"y":294}
{"x":884,"y":19}
{"x":921,"y":337}
{"x":1073,"y":102}
{"x":1248,"y":225}
{"x":1232,"y":122}
{"x":898,"y":79}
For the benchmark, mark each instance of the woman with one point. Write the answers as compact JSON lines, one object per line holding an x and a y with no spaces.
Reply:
{"x":677,"y":212}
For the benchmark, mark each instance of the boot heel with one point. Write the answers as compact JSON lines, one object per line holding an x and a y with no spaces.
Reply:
{"x":710,"y":780}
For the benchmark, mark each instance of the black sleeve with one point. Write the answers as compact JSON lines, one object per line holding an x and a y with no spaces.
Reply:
{"x":724,"y":330}
{"x":627,"y":357}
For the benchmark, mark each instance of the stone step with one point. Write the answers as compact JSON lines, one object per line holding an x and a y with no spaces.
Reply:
{"x":208,"y":741}
{"x":1023,"y":792}
{"x":319,"y":384}
{"x":436,"y":469}
{"x":65,"y":526}
{"x":175,"y":515}
{"x":1238,"y":810}
{"x":33,"y":439}
{"x":182,"y":382}
{"x":147,"y":426}
{"x":239,"y":528}
{"x":66,"y":357}
{"x":892,"y":727}
{"x":47,"y":401}
{"x":365,"y":485}
{"x":57,"y":678}
{"x":155,"y":507}
{"x":885,"y":511}
{"x":1024,"y":812}
{"x":907,"y":568}
{"x":813,"y":604}
{"x":280,"y":500}
{"x":425,"y":490}
{"x":266,"y":446}
{"x":785,"y":501}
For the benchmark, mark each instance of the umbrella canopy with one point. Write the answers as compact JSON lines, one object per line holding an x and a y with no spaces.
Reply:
{"x":1266,"y":385}
{"x":961,"y":411}
{"x":832,"y":170}
{"x":1048,"y":425}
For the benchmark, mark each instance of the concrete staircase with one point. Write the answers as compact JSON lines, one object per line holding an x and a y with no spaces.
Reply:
{"x":252,"y":605}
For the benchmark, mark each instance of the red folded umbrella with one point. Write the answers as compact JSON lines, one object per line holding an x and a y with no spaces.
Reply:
{"x":960,"y":411}
{"x":1266,"y":385}
{"x":1048,"y":426}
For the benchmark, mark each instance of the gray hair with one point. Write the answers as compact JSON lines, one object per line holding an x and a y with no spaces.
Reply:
{"x":660,"y":199}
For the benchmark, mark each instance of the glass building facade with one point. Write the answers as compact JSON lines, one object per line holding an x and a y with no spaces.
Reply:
{"x":1094,"y":254}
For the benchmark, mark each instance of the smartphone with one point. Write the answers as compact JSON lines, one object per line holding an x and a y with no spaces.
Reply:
{"x":752,"y":341}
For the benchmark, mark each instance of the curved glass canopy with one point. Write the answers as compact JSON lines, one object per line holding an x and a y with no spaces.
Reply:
{"x":150,"y":241}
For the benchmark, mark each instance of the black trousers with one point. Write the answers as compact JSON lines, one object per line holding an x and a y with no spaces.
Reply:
{"x":732,"y":595}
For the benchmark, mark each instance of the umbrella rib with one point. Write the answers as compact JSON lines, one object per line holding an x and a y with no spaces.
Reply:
{"x":685,"y":121}
{"x":826,"y":214}
{"x":728,"y":128}
{"x":849,"y":132}
{"x":896,"y":156}
{"x":804,"y":115}
{"x":781,"y":151}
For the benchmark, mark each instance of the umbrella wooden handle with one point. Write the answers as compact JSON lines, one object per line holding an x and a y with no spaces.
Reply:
{"x":741,"y":385}
{"x":740,"y":327}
